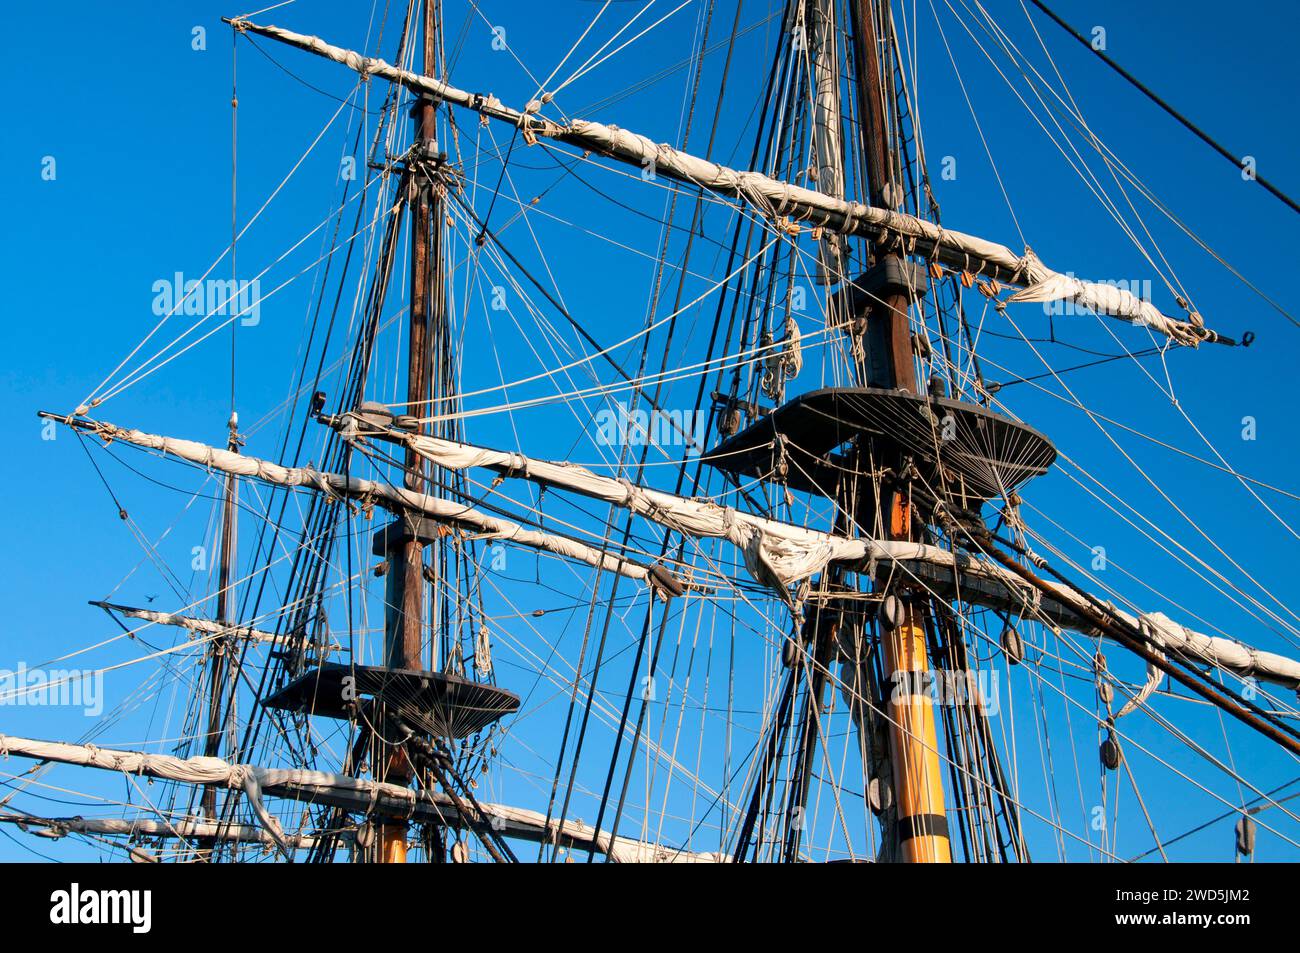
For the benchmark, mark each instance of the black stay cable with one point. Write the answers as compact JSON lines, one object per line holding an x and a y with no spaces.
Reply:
{"x":994,"y":387}
{"x":1240,"y":163}
{"x":1247,"y":808}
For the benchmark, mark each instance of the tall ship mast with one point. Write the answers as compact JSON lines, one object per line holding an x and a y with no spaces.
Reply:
{"x":668,"y":501}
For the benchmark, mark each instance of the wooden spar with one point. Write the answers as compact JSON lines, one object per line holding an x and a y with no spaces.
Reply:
{"x":921,"y":821}
{"x":406,"y":653}
{"x":209,"y":627}
{"x":940,"y":572}
{"x":781,"y":200}
{"x":369,"y":493}
{"x":404,"y":628}
{"x":913,"y":739}
{"x":179,"y":828}
{"x":220,"y":655}
{"x":372,"y":798}
{"x":891,"y":312}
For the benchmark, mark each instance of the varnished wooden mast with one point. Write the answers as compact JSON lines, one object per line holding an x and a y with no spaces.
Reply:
{"x":922,"y":828}
{"x":404,"y":628}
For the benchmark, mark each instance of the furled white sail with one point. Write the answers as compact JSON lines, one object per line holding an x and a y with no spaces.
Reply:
{"x":828,"y":149}
{"x":781,"y":200}
{"x":775,"y":553}
{"x":352,"y":794}
{"x":194,"y":623}
{"x":780,"y":554}
{"x":371,"y":492}
{"x":181,"y":828}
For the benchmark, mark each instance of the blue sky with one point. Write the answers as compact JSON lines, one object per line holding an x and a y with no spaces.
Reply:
{"x":139,"y":132}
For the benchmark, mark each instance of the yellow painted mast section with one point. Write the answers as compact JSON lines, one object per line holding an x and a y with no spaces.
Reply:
{"x":914,"y":748}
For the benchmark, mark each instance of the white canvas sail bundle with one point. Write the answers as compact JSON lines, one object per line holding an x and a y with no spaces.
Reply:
{"x":372,"y":492}
{"x":355,"y":794}
{"x":780,"y":554}
{"x":776,"y":554}
{"x":784,"y":201}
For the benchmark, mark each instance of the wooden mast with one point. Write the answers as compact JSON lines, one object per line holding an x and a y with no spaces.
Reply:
{"x":922,"y":828}
{"x":219,"y":651}
{"x":404,"y":620}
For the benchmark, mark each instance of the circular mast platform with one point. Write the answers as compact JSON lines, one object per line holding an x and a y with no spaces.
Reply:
{"x":965,"y":454}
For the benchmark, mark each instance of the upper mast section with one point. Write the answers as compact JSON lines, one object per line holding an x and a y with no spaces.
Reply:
{"x":402,"y":544}
{"x":889,"y":360}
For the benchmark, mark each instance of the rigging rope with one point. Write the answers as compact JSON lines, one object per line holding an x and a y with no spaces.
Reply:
{"x":1239,"y":163}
